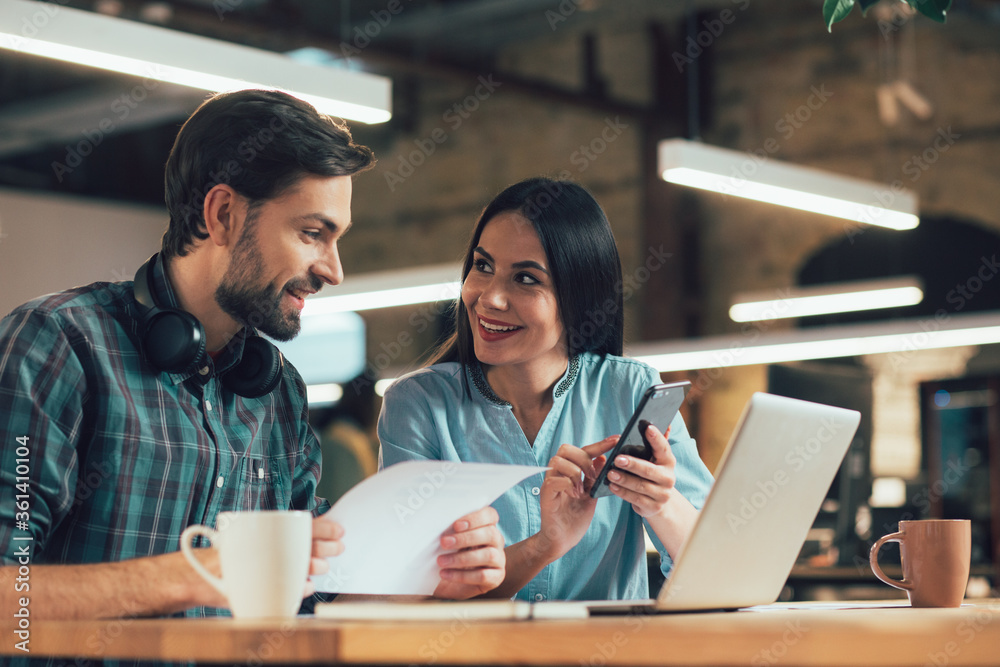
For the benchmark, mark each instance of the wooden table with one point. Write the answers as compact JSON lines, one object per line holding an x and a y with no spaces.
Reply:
{"x":813,"y":635}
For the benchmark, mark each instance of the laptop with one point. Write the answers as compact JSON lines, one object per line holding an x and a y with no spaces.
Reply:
{"x":770,"y":483}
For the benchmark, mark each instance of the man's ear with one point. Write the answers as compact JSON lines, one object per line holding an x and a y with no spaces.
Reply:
{"x":223,"y":210}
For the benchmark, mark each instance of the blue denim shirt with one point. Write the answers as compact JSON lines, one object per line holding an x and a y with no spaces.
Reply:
{"x":429,"y":415}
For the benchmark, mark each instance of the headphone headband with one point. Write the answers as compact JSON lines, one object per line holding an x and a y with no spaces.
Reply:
{"x":173,"y":341}
{"x":141,"y":282}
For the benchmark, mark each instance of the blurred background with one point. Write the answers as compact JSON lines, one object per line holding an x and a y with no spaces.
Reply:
{"x":488,"y":92}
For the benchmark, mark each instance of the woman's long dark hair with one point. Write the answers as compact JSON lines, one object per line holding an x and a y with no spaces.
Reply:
{"x":583,"y":261}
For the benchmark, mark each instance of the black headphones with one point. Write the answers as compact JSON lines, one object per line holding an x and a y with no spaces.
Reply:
{"x":173,"y":341}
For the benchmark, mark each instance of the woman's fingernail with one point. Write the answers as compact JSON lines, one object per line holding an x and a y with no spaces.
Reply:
{"x":614,"y":475}
{"x":461,"y":525}
{"x":448,"y":542}
{"x":622,"y":461}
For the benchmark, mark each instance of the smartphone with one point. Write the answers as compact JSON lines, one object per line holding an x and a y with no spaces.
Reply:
{"x":658,"y":406}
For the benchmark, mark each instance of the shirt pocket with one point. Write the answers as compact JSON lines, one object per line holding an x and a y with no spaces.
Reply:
{"x":264,"y":483}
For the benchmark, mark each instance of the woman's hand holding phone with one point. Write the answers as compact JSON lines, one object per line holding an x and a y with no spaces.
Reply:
{"x":647,"y":485}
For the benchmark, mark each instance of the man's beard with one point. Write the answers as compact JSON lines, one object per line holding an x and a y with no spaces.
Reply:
{"x":253,"y":305}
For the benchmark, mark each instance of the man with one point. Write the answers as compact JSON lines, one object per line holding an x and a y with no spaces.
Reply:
{"x":128,"y":412}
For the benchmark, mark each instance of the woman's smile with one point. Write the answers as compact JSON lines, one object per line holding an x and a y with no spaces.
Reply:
{"x":494,"y":330}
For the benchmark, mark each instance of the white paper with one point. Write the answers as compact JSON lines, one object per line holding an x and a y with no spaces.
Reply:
{"x":393,"y":523}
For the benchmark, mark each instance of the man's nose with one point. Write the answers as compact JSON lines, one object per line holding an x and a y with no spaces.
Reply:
{"x":328,"y":268}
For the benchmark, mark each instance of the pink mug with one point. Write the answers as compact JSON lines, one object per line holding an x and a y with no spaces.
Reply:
{"x":935,"y":555}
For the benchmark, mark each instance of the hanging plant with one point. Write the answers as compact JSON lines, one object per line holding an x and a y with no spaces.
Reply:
{"x":837,"y":10}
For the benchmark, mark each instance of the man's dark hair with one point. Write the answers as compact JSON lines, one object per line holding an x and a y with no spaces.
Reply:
{"x":260,"y":143}
{"x":583,"y":261}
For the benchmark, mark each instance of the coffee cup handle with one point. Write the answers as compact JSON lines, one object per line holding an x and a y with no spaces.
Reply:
{"x":186,"y":537}
{"x":873,"y":560}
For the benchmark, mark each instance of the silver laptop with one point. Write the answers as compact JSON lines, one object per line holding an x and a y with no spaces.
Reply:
{"x":770,"y":483}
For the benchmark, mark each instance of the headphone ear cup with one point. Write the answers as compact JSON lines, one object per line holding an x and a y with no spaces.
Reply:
{"x":173,"y":341}
{"x":258,"y":372}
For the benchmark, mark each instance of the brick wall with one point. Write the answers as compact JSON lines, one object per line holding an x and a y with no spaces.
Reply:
{"x":778,"y":75}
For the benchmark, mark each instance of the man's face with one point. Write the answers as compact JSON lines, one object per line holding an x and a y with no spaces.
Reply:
{"x":286,"y":251}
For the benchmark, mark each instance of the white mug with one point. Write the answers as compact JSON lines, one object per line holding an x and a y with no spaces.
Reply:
{"x":264,"y":557}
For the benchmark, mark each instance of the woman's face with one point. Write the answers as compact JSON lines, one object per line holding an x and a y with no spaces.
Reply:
{"x":510,"y":297}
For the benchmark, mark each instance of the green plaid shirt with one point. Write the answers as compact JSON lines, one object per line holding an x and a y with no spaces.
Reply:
{"x":103,"y":458}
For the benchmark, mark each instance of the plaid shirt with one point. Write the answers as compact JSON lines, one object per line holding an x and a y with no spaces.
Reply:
{"x":119,"y":458}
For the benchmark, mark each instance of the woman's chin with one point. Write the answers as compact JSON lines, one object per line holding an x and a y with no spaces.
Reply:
{"x":491,"y":357}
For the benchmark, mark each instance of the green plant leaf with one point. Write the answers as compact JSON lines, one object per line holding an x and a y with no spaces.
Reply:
{"x":933,"y":9}
{"x":836,"y":10}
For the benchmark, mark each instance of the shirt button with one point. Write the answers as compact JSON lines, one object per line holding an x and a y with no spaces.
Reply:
{"x":535,"y":490}
{"x":539,"y":597}
{"x":203,"y":370}
{"x":208,"y":405}
{"x":219,"y":482}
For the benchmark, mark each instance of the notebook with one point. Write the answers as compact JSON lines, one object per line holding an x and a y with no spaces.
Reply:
{"x":769,"y":485}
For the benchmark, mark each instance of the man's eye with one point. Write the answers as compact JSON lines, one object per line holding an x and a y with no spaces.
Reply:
{"x":313,"y":234}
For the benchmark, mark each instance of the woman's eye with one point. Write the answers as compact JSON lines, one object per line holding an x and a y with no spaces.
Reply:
{"x":482,"y":266}
{"x":527,"y":279}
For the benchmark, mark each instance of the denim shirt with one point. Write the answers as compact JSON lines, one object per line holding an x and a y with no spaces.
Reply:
{"x":429,"y":415}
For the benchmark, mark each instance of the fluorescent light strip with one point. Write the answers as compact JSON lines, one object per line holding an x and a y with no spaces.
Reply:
{"x":324,"y":393}
{"x":902,"y":337}
{"x":827,"y":299}
{"x":767,"y":180}
{"x":826,"y":343}
{"x":403,"y":296}
{"x":803,"y":201}
{"x":185,"y":77}
{"x":138,"y":49}
{"x":424,"y":284}
{"x":382,"y":385}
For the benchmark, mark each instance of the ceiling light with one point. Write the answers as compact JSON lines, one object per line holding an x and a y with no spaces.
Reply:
{"x":826,"y":299}
{"x":382,"y":385}
{"x":323,"y":394}
{"x":764,"y":179}
{"x":105,"y":42}
{"x":382,"y":290}
{"x":903,"y":337}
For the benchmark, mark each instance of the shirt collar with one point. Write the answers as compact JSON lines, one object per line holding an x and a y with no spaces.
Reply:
{"x":478,"y":379}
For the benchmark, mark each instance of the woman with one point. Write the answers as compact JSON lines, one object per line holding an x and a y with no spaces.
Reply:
{"x":535,"y":363}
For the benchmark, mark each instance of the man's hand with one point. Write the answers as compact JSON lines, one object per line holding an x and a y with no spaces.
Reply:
{"x":478,"y":561}
{"x":325,"y":543}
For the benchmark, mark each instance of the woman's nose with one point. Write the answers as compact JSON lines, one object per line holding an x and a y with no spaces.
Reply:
{"x":493,"y":295}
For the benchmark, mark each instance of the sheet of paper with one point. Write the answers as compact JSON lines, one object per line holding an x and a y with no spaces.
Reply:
{"x":393,"y":523}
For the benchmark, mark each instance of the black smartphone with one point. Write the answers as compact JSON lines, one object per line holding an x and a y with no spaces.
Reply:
{"x":658,"y":407}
